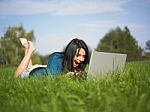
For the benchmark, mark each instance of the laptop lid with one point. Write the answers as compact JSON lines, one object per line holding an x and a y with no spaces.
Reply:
{"x":102,"y":63}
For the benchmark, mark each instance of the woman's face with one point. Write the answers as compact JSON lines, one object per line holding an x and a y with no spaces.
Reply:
{"x":79,"y":57}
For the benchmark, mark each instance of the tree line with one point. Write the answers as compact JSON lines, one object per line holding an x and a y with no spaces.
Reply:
{"x":11,"y":50}
{"x":121,"y":41}
{"x":116,"y":40}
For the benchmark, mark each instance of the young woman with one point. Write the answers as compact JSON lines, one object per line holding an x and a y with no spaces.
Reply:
{"x":73,"y":60}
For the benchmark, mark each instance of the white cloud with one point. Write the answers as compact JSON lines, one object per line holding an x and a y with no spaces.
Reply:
{"x":89,"y":7}
{"x":59,"y":7}
{"x":101,"y":25}
{"x":21,"y":7}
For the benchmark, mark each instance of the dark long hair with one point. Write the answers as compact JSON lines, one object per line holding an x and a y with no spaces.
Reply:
{"x":70,"y":52}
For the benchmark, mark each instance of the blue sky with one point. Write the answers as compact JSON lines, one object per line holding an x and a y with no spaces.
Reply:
{"x":56,"y":22}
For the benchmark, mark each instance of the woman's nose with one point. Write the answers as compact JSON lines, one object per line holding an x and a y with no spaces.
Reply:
{"x":81,"y":58}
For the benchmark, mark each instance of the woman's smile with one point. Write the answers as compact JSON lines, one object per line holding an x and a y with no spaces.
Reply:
{"x":79,"y":57}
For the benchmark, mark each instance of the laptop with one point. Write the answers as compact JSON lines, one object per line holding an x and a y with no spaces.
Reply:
{"x":103,"y":63}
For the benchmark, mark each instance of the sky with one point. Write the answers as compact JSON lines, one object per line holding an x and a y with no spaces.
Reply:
{"x":56,"y":22}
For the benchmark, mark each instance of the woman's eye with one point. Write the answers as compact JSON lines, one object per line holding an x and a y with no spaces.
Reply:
{"x":78,"y":55}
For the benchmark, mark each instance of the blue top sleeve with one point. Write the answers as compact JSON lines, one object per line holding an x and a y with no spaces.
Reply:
{"x":54,"y":66}
{"x":55,"y":63}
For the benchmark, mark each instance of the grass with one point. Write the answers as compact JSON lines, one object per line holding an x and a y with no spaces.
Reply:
{"x":125,"y":92}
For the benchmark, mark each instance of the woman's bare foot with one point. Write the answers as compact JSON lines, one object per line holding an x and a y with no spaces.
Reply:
{"x":24,"y":43}
{"x":28,"y":45}
{"x":31,"y":46}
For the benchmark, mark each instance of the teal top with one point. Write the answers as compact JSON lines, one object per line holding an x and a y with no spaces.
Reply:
{"x":54,"y":66}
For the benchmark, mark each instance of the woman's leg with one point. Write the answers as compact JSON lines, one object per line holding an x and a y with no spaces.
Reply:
{"x":26,"y":61}
{"x":25,"y":44}
{"x":26,"y":49}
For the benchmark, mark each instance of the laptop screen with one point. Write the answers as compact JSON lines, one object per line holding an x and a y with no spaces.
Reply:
{"x":102,"y":63}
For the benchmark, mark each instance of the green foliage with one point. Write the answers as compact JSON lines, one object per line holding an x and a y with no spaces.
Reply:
{"x":125,"y":92}
{"x":39,"y":59}
{"x":10,"y":47}
{"x":120,"y":41}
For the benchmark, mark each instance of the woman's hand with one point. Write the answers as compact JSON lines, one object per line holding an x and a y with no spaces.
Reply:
{"x":77,"y":74}
{"x":70,"y":74}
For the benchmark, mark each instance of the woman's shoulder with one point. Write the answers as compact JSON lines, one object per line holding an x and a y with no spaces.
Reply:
{"x":56,"y":55}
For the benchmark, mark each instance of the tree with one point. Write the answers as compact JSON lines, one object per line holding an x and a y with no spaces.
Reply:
{"x":10,"y":47}
{"x":147,"y":50}
{"x":148,"y":45}
{"x":120,"y":41}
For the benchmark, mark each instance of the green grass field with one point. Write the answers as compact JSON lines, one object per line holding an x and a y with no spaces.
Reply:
{"x":125,"y":92}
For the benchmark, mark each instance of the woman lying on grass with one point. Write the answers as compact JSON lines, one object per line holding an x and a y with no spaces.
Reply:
{"x":73,"y":60}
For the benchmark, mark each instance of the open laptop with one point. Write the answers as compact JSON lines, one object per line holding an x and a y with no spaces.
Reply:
{"x":102,"y":63}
